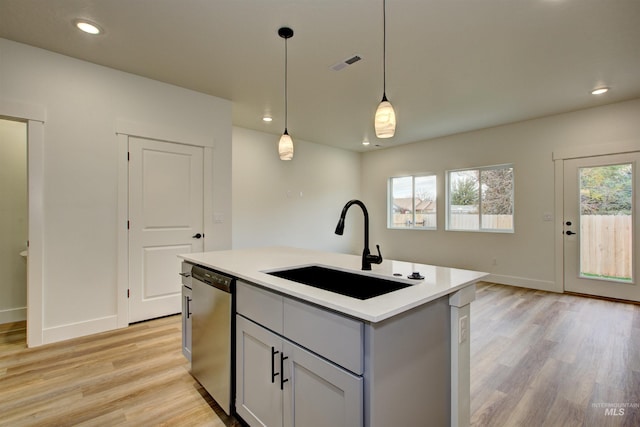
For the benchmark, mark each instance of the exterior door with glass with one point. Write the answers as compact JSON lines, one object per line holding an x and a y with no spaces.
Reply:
{"x":600,"y":226}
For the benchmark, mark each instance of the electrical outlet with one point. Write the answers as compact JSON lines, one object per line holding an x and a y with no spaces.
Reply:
{"x":463,"y":329}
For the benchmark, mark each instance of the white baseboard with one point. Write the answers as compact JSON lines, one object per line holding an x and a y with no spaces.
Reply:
{"x":80,"y":329}
{"x":13,"y":315}
{"x":523,"y":282}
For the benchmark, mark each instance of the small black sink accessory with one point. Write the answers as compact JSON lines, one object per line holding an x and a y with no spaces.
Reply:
{"x":415,"y":276}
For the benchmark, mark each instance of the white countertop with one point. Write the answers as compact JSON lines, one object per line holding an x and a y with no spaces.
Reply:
{"x":251,"y":264}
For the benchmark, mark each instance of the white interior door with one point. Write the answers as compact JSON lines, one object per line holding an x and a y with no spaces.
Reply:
{"x":600,"y":226}
{"x":165,"y":219}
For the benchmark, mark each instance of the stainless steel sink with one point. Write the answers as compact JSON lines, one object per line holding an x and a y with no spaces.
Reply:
{"x":353,"y":285}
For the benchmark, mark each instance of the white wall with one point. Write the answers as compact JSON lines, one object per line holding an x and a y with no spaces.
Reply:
{"x":83,"y":104}
{"x":294,"y":203}
{"x":525,"y":258}
{"x":13,"y":220}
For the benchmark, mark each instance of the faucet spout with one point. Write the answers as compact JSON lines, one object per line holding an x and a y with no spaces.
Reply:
{"x":367,"y":258}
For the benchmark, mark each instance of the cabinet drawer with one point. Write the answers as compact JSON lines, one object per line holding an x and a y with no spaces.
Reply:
{"x":261,"y":306}
{"x":335,"y":337}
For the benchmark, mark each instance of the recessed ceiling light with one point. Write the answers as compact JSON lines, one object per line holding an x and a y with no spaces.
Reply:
{"x":600,"y":91}
{"x":365,"y":142}
{"x":267,"y":119}
{"x":87,"y":26}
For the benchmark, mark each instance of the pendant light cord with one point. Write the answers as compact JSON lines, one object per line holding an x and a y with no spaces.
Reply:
{"x":384,"y":49}
{"x":286,"y":96}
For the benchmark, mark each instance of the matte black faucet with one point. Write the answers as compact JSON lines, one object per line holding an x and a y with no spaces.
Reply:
{"x":367,"y":258}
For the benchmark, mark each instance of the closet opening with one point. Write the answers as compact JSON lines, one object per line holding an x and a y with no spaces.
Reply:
{"x":14,"y":229}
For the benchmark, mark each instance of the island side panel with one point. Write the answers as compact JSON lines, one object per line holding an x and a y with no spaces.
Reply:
{"x":407,"y":368}
{"x":461,"y":355}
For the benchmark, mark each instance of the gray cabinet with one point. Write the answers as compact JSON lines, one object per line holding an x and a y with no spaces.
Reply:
{"x":339,"y":371}
{"x":319,"y":393}
{"x":186,"y":321}
{"x":280,"y":383}
{"x":258,"y":394}
{"x":187,"y":296}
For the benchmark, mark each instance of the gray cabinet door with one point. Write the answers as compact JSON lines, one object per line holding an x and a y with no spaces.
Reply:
{"x":258,"y":394}
{"x":186,"y":322}
{"x":319,"y":393}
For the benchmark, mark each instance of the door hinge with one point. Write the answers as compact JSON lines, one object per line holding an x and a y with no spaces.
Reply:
{"x":128,"y":295}
{"x":128,"y":225}
{"x":128,"y":156}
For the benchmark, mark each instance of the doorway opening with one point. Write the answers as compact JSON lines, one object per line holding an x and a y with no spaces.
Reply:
{"x":14,"y":229}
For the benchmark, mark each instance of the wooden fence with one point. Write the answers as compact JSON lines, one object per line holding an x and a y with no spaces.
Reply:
{"x":472,"y":222}
{"x":606,"y":246}
{"x":456,"y":221}
{"x":605,"y":240}
{"x":427,"y":220}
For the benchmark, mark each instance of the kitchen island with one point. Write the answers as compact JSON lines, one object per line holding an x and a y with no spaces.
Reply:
{"x":401,"y":358}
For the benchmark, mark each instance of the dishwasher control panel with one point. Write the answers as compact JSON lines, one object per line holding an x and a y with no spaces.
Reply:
{"x":212,"y":278}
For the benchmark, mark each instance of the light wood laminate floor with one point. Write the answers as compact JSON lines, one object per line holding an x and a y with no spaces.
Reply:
{"x":537,"y":359}
{"x":135,"y":376}
{"x":546,"y":359}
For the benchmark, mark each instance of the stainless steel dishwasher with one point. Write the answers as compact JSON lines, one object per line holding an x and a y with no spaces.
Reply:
{"x":213,"y":335}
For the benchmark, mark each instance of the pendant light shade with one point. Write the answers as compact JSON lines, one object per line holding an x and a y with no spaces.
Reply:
{"x":285,"y":146}
{"x":385,"y":119}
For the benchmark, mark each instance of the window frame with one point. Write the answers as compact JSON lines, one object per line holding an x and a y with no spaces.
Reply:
{"x":480,"y":229}
{"x":390,"y":203}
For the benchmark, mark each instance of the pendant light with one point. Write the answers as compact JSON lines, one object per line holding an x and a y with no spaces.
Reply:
{"x":285,"y":146}
{"x":385,"y":120}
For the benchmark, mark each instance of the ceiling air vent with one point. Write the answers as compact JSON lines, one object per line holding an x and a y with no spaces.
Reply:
{"x":345,"y":62}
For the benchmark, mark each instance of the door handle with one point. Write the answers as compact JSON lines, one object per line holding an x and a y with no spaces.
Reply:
{"x":570,"y":233}
{"x":197,"y":236}
{"x":274,"y":374}
{"x":282,"y":378}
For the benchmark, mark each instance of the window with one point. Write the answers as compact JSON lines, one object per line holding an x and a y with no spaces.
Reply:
{"x":412,"y":202}
{"x":480,"y":199}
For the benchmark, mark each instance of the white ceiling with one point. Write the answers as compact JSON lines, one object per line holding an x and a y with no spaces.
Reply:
{"x":452,"y":65}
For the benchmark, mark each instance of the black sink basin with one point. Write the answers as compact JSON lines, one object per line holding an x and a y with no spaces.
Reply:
{"x":341,"y":282}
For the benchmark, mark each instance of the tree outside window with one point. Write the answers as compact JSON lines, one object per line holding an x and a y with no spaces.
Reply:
{"x":481,"y":199}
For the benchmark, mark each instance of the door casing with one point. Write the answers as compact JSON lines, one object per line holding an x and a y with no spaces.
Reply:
{"x":34,"y":116}
{"x":165,"y":215}
{"x":123,"y":131}
{"x":558,"y":157}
